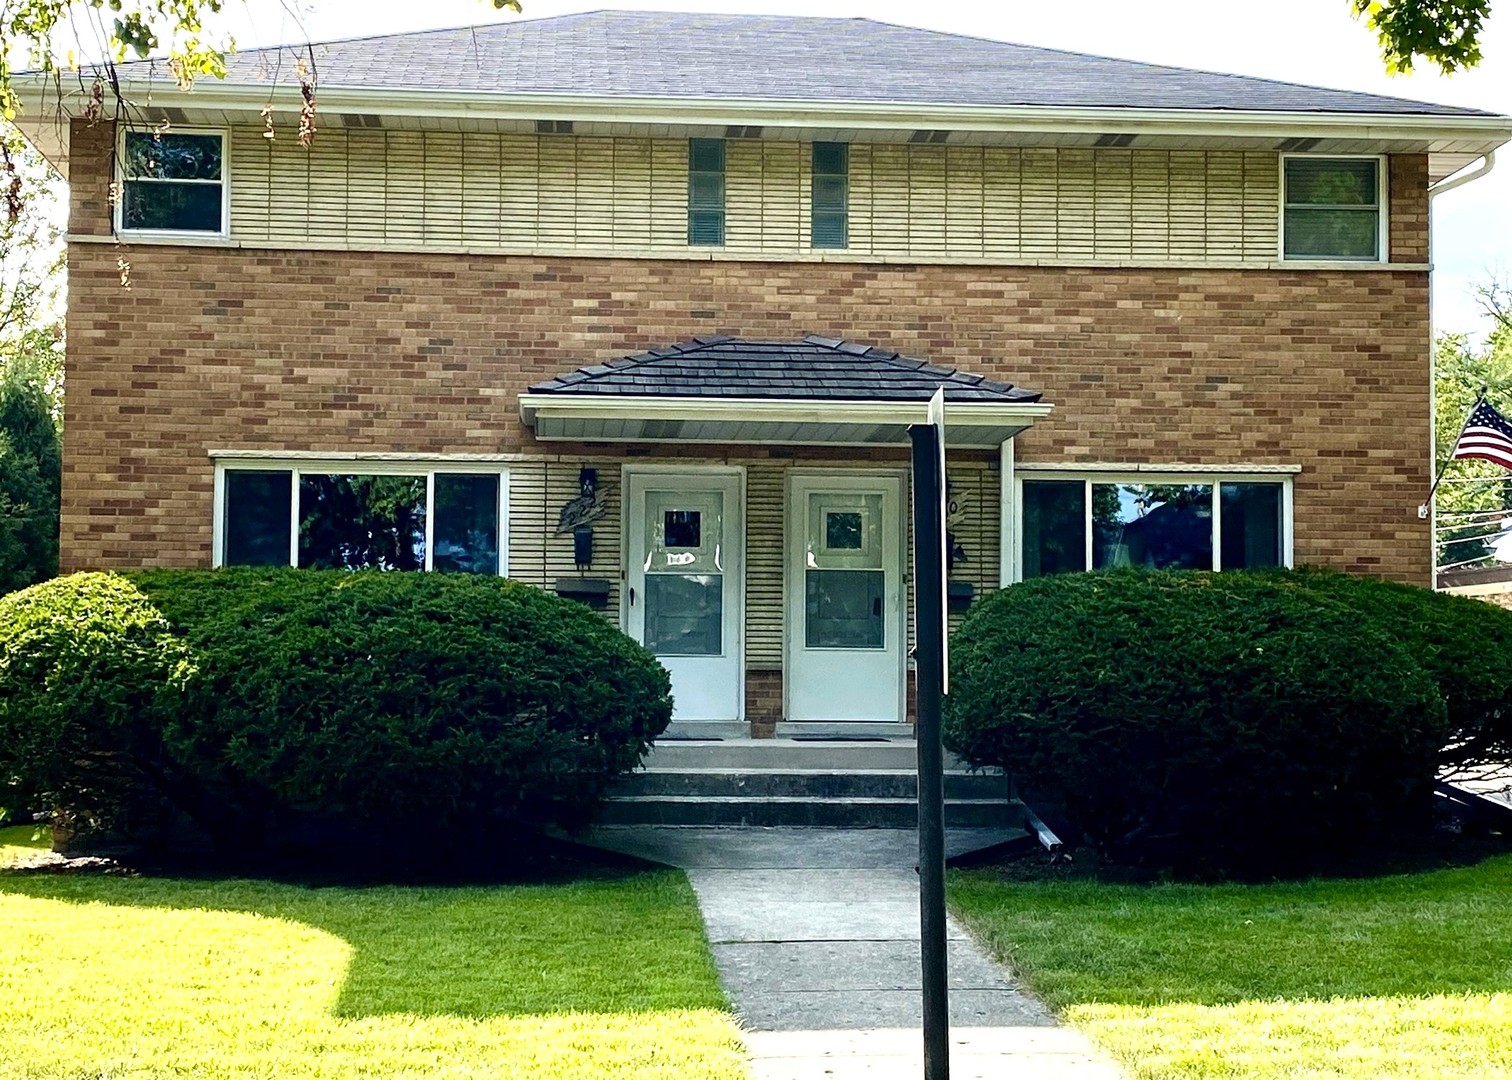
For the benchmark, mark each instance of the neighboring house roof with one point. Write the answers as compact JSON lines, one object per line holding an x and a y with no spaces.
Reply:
{"x":814,"y":369}
{"x":638,"y":54}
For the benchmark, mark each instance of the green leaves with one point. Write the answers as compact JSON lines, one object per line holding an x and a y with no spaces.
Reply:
{"x":1443,"y":32}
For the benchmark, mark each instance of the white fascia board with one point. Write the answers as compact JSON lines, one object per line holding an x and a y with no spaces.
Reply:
{"x":1487,"y":132}
{"x":765,"y":410}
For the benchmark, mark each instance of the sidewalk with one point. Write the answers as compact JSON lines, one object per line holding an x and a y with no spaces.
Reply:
{"x":816,"y":936}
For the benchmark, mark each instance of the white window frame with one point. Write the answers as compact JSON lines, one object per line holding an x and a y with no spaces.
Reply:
{"x":1215,"y":477}
{"x":357,"y":465}
{"x":1383,"y":231}
{"x":168,"y":234}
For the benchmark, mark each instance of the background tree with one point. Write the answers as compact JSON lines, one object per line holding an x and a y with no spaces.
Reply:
{"x":1473,"y":493}
{"x":1443,"y":32}
{"x":31,"y":373}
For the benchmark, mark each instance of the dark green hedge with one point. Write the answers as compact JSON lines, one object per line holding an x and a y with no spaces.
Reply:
{"x":84,"y":663}
{"x":361,"y":705}
{"x":1198,"y":719}
{"x":1464,"y":644}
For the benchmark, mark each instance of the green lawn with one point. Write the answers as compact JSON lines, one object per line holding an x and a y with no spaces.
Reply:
{"x":117,"y":977}
{"x":1402,"y":976}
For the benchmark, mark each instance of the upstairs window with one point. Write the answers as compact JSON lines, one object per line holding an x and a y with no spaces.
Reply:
{"x":1332,"y":208}
{"x":706,"y":192}
{"x":173,"y":182}
{"x":829,"y":203}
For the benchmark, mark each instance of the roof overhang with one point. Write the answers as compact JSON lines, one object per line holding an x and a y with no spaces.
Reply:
{"x":605,"y":418}
{"x":1467,"y":136}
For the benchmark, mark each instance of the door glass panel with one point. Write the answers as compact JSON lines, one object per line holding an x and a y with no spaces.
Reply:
{"x":1160,"y":526}
{"x":844,"y":581}
{"x":685,"y":614}
{"x":684,"y":573}
{"x":843,"y":609}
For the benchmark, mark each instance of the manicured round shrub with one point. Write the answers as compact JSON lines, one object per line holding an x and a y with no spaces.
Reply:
{"x":1213,"y":721}
{"x":1464,"y":644}
{"x":460,"y":705}
{"x":84,"y":661}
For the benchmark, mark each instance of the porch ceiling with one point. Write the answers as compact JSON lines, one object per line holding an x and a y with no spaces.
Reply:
{"x":814,"y":391}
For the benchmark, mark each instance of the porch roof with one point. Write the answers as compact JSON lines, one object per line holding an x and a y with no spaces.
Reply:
{"x":731,"y":390}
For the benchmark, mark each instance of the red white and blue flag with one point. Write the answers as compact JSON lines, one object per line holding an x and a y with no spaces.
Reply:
{"x":1487,"y":435}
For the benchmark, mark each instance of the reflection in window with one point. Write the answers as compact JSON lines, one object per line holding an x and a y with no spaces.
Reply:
{"x":466,"y":526}
{"x":1159,"y":526}
{"x":1332,"y":208}
{"x":362,"y":522}
{"x":172,"y":182}
{"x":1055,"y":526}
{"x":256,"y":523}
{"x":1251,"y":525}
{"x":842,"y":530}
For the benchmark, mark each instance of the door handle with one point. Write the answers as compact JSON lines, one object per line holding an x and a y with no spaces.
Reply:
{"x":632,"y":596}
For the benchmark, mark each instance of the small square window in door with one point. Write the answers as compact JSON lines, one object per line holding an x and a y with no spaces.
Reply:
{"x":682,"y":528}
{"x":842,"y":530}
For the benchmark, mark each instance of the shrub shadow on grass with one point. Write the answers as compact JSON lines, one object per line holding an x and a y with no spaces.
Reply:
{"x":613,"y":941}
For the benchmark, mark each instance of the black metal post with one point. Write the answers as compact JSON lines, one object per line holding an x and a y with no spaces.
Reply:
{"x":929,"y":654}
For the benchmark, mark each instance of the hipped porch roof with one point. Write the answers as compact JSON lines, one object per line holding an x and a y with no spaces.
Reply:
{"x":815,"y":391}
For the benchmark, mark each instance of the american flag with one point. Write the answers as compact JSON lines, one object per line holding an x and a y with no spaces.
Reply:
{"x":1487,"y":435}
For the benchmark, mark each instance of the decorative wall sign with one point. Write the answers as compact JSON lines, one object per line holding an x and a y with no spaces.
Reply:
{"x":957,"y":506}
{"x":591,"y":504}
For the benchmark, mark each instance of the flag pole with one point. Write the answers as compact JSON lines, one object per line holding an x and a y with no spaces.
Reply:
{"x":1480,"y":397}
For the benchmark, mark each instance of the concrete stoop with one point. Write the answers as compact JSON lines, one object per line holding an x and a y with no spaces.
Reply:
{"x":789,"y":782}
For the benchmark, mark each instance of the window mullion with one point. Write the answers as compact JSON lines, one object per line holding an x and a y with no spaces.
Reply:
{"x":1217,"y":523}
{"x":430,"y":518}
{"x":1087,"y":497}
{"x":294,"y":486}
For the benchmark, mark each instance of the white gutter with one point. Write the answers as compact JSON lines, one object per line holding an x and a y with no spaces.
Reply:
{"x":570,"y":406}
{"x":1449,"y":183}
{"x":1488,"y":130}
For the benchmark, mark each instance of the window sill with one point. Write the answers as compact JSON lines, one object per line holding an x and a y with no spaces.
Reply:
{"x":727,"y":254}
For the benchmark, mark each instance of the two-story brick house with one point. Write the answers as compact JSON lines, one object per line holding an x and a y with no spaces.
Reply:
{"x":638,"y":306}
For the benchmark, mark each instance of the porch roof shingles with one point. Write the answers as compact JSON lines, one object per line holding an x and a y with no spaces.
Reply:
{"x":814,"y":369}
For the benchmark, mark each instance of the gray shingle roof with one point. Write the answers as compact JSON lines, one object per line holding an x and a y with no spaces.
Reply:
{"x":732,"y":57}
{"x":816,"y":368}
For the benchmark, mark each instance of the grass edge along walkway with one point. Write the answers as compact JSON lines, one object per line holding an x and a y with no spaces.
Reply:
{"x":607,"y":976}
{"x":1404,"y":976}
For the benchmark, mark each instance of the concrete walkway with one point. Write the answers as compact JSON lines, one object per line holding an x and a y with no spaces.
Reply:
{"x":816,"y":936}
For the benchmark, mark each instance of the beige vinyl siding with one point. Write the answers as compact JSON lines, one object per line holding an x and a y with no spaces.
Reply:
{"x":920,"y":202}
{"x":538,"y":489}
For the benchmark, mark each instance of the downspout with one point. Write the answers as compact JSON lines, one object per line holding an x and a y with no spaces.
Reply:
{"x":1449,"y":183}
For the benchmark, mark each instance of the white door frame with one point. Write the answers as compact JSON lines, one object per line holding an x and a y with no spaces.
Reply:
{"x":629,"y":521}
{"x":793,"y":569}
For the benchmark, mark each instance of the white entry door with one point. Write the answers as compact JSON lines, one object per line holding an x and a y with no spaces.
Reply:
{"x":685,"y":584}
{"x":845,"y":598}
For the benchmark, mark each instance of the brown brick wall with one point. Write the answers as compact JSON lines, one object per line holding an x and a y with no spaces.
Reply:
{"x":1407,"y":207}
{"x":212,"y":348}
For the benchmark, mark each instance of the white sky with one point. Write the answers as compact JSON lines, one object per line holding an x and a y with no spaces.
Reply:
{"x":1310,"y":41}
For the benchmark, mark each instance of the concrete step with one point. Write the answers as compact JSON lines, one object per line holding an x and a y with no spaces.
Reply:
{"x":811,"y":783}
{"x":778,"y":754}
{"x":872,"y":813}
